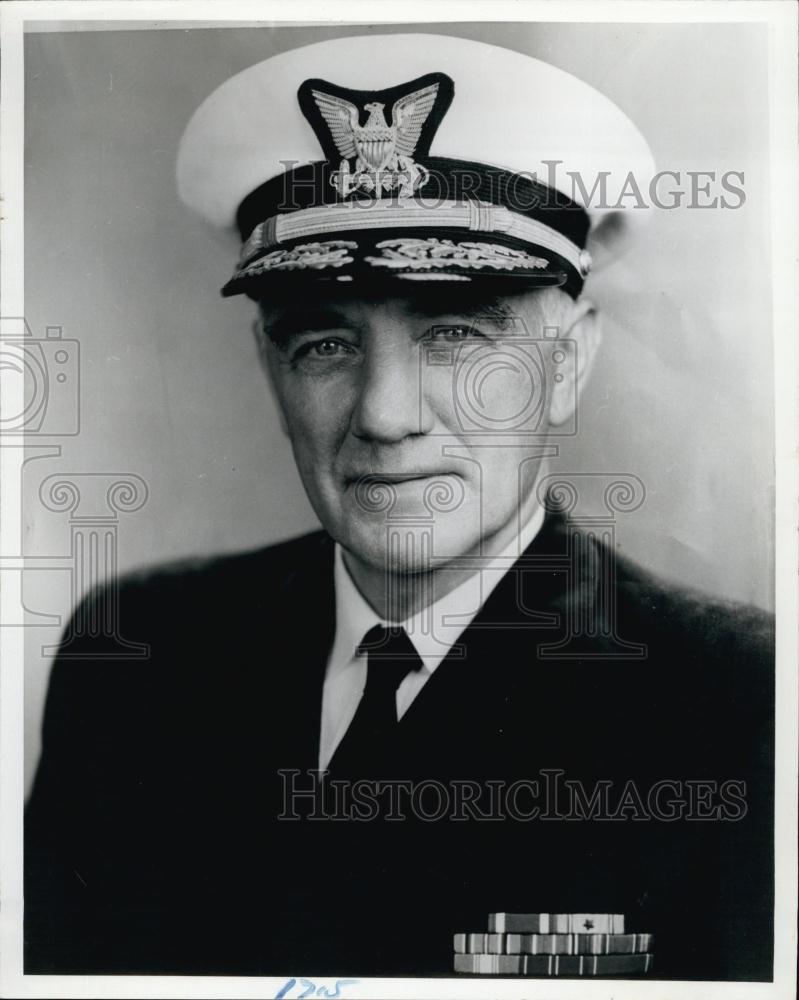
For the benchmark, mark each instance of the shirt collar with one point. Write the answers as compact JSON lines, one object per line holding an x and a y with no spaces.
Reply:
{"x":435,"y":629}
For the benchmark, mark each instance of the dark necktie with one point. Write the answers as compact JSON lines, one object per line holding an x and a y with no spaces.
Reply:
{"x":367,"y":746}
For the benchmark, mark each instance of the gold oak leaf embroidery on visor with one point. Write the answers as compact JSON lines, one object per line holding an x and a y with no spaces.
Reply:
{"x":331,"y":253}
{"x":420,"y":254}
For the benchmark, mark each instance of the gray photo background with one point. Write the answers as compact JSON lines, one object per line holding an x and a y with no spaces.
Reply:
{"x":171,"y":389}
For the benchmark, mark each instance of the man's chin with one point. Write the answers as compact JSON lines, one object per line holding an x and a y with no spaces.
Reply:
{"x":406,"y":548}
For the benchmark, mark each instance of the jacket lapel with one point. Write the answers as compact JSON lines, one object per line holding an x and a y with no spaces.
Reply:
{"x":484,"y":669}
{"x":304,"y":619}
{"x":526,"y":608}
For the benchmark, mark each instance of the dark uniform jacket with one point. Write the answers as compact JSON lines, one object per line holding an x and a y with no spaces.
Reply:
{"x":160,"y":839}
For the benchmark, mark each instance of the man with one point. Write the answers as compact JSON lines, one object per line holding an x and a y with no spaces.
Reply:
{"x":454,"y":699}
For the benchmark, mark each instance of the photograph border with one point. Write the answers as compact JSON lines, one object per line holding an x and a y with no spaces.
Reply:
{"x":781,"y":18}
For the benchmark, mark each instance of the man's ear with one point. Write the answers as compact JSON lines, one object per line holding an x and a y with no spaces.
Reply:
{"x":580,"y":337}
{"x":262,"y":346}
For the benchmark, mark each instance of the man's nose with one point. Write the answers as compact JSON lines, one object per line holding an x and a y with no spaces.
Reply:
{"x":391,"y":403}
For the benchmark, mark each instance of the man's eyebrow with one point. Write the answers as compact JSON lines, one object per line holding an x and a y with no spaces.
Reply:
{"x":486,"y":308}
{"x":304,"y":320}
{"x":307,"y":319}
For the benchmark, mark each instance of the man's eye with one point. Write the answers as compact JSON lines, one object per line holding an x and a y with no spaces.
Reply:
{"x":454,"y":334}
{"x":329,"y":347}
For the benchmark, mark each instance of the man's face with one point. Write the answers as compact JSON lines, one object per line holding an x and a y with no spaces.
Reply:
{"x":428,"y":409}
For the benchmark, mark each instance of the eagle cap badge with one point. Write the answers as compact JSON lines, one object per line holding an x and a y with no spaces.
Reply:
{"x":377,"y":155}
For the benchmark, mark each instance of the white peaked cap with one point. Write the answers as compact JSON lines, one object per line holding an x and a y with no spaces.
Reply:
{"x":509,"y":111}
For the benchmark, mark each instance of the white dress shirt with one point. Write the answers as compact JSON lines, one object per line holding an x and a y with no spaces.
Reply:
{"x":433,"y":631}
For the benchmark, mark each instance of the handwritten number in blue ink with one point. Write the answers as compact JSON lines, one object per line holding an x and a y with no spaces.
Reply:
{"x":323,"y":991}
{"x":310,"y":989}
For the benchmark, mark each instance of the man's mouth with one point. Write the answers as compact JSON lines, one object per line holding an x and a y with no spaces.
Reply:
{"x":369,"y":478}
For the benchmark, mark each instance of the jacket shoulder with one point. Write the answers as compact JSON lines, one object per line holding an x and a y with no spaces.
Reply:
{"x":270,"y":567}
{"x":186,"y":602}
{"x":715,"y":623}
{"x":178,"y":614}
